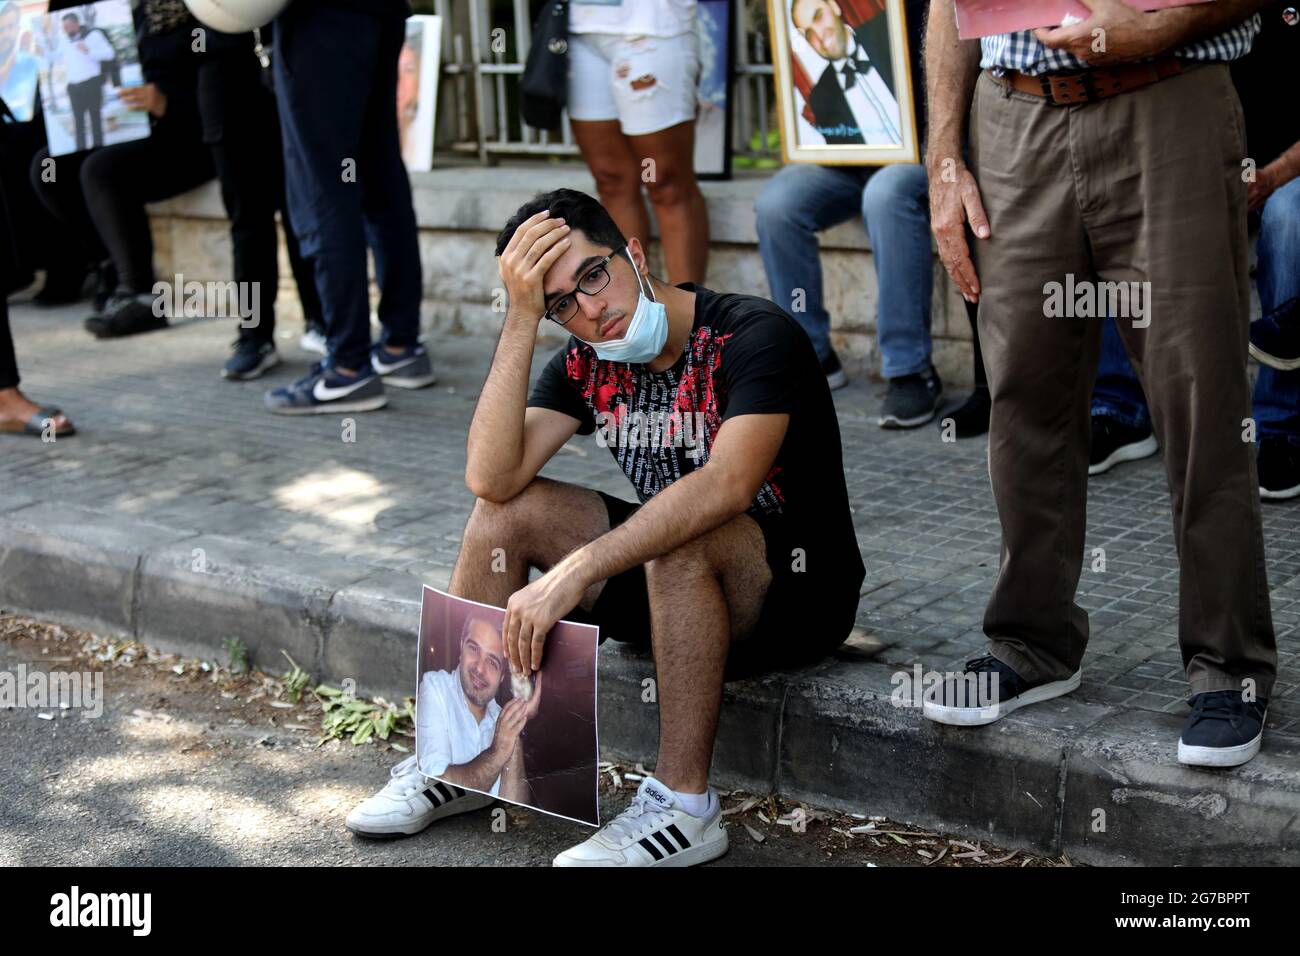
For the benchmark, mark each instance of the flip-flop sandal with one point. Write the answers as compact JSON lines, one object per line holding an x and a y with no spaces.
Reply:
{"x":35,"y":425}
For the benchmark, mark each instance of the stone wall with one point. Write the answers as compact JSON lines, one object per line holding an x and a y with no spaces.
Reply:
{"x":461,"y":208}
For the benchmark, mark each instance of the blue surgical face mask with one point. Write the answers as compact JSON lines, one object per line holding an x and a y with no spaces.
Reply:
{"x":645,"y":335}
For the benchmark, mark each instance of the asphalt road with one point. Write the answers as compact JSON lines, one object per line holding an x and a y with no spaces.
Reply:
{"x":199,"y":768}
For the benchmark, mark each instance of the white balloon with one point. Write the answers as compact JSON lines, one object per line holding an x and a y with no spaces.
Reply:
{"x":235,"y":16}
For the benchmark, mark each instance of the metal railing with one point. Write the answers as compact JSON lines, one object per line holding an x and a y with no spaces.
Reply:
{"x":485,"y":43}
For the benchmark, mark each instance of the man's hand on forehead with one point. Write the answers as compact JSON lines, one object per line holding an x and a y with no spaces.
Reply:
{"x":536,"y":246}
{"x":534,"y":236}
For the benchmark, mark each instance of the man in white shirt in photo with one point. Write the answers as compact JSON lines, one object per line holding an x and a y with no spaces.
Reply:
{"x":463,"y":736}
{"x":83,"y":57}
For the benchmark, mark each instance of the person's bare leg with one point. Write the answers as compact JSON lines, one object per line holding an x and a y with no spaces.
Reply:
{"x":617,"y":171}
{"x":678,"y":203}
{"x":703,"y":596}
{"x":534,"y":529}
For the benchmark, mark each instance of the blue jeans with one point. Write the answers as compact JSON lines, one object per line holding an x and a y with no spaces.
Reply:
{"x":1117,"y":393}
{"x":1277,"y":276}
{"x":800,"y":200}
{"x":335,"y":83}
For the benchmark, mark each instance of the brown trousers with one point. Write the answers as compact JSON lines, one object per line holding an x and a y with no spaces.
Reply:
{"x":1143,"y":187}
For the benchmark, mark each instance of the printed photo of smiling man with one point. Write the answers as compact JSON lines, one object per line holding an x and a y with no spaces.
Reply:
{"x":458,"y":718}
{"x":481,"y":728}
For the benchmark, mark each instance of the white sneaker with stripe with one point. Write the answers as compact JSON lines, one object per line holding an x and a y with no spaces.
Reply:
{"x":410,"y":802}
{"x":652,"y":831}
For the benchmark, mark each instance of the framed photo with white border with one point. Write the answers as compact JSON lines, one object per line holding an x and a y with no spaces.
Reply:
{"x":843,"y":86}
{"x":418,"y":66}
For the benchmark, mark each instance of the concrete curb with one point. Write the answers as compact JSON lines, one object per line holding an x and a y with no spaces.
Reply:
{"x":1092,"y":781}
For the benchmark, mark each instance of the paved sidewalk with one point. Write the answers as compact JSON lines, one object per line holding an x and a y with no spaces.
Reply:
{"x":166,"y":444}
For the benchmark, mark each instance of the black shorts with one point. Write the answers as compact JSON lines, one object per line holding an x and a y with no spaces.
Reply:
{"x":798,"y":624}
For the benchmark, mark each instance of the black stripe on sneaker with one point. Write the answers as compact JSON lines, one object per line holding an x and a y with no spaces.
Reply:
{"x":650,"y":848}
{"x":447,"y":794}
{"x":434,"y":798}
{"x":457,"y":791}
{"x":664,"y":842}
{"x":678,"y":836}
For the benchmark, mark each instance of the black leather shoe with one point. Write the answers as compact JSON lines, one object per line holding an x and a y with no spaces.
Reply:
{"x":126,"y":316}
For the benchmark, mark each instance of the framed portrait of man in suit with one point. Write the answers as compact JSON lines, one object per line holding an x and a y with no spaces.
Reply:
{"x":843,"y":84}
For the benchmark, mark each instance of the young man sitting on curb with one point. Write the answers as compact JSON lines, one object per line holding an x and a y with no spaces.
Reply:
{"x":741,"y":554}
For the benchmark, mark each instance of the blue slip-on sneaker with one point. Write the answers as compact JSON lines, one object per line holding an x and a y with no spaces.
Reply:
{"x":987,"y":690}
{"x":249,"y":360}
{"x":325,"y":390}
{"x":409,"y":368}
{"x":1223,"y":730}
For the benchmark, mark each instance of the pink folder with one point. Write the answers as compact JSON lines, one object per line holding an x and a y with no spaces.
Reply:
{"x":981,"y":18}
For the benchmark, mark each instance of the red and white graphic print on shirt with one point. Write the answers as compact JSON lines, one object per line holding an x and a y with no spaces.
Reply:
{"x":666,"y":420}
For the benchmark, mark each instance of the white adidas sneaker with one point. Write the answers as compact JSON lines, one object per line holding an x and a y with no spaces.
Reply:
{"x":410,"y":802}
{"x":652,"y":831}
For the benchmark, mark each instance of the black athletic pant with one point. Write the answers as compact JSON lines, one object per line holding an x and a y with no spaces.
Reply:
{"x":242,"y":129}
{"x":8,"y":264}
{"x":8,"y":364}
{"x":100,"y":196}
{"x":36,"y":239}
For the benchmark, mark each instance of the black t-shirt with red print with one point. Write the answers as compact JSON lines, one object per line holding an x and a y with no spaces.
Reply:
{"x":744,"y":357}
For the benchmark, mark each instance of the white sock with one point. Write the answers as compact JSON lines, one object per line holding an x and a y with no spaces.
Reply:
{"x":696,"y":804}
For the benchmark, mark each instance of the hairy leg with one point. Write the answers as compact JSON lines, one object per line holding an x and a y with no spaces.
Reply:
{"x":534,"y":529}
{"x":703,"y":596}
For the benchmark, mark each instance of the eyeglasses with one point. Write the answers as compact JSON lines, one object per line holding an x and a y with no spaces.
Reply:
{"x":593,"y":282}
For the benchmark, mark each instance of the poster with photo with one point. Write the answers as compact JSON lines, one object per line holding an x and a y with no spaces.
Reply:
{"x":982,"y":18}
{"x":714,"y":25}
{"x":20,"y":66}
{"x":478,"y":726}
{"x":418,"y":67}
{"x":843,"y":87}
{"x":87,"y":53}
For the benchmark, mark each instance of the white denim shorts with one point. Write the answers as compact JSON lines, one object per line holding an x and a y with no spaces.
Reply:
{"x":646,"y":83}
